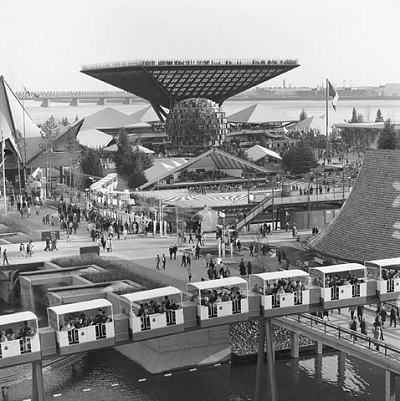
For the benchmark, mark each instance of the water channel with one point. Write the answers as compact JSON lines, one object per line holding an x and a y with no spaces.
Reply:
{"x":108,"y":375}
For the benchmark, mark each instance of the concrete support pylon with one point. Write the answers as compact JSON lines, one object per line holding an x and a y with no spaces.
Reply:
{"x":390,"y":386}
{"x":295,"y":345}
{"x":260,"y":359}
{"x":37,"y":382}
{"x":271,"y":360}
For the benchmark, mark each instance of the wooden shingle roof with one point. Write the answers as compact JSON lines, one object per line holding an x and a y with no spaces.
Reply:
{"x":368,"y":225}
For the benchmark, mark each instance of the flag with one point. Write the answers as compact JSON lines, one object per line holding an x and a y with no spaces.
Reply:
{"x":30,"y":95}
{"x":333,"y":94}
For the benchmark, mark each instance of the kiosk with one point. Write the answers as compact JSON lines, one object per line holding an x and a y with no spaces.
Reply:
{"x":153,"y":313}
{"x":82,"y":326}
{"x":283,"y":292}
{"x":220,"y":301}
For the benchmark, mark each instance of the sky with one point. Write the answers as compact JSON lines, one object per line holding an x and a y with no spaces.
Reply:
{"x":45,"y":42}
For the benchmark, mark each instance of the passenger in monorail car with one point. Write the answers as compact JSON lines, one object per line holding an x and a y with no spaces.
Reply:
{"x":211,"y":297}
{"x":338,"y":280}
{"x":22,"y":335}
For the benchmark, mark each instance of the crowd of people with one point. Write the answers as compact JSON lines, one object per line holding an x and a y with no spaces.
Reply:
{"x":337,"y":280}
{"x":156,"y":306}
{"x":282,"y":286}
{"x":84,"y":320}
{"x":11,"y":334}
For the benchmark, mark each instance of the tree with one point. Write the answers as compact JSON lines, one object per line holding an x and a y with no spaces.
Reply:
{"x":130,"y":162}
{"x":124,"y":154}
{"x":299,"y":159}
{"x":90,"y":162}
{"x":50,"y":131}
{"x":64,"y":121}
{"x":388,"y":138}
{"x":354,"y":116}
{"x":379,"y":117}
{"x":303,"y":115}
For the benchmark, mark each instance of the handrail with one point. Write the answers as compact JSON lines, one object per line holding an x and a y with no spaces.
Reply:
{"x":172,"y":62}
{"x":353,"y":335}
{"x":279,"y":200}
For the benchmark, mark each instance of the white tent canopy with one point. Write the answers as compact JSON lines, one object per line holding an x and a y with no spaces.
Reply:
{"x":258,"y":152}
{"x":93,"y":138}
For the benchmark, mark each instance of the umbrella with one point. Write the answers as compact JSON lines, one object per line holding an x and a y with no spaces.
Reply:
{"x":198,"y":217}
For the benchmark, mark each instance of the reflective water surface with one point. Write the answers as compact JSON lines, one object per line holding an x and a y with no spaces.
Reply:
{"x":108,"y":375}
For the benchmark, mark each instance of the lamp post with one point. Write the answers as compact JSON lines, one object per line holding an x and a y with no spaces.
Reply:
{"x":309,"y":200}
{"x":162,"y":219}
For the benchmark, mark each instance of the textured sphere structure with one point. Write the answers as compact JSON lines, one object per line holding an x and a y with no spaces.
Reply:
{"x":195,"y":125}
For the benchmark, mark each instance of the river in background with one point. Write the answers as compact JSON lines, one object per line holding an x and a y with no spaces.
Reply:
{"x":289,"y":109}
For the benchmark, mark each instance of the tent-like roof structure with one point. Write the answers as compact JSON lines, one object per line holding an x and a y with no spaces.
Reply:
{"x":162,"y":166}
{"x":36,"y":155}
{"x":93,"y":138}
{"x":106,"y":118}
{"x":307,"y":124}
{"x":146,"y":114}
{"x":368,"y":225}
{"x":114,"y":148}
{"x":212,"y":158}
{"x":259,"y":114}
{"x":258,"y":152}
{"x":15,"y":121}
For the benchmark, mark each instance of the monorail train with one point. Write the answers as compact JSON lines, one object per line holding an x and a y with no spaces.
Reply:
{"x":89,"y":325}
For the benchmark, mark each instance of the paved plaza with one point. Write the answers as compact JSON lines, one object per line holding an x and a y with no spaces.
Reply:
{"x":139,"y":249}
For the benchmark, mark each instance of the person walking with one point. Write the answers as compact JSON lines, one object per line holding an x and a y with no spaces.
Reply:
{"x":158,"y":262}
{"x":377,"y":335}
{"x":183,"y":264}
{"x":363,"y":326}
{"x":360,"y":312}
{"x":189,"y":271}
{"x":383,"y":314}
{"x":21,"y":249}
{"x":352,"y":311}
{"x":249,"y":269}
{"x":251,"y":248}
{"x":164,"y":261}
{"x":393,"y":316}
{"x":188,"y":260}
{"x":5,"y":258}
{"x":242,"y":268}
{"x":353,"y":327}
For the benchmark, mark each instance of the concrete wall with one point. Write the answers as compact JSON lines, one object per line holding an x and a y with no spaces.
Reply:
{"x":193,"y":348}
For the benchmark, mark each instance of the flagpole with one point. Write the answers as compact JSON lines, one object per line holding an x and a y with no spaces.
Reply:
{"x":327,"y":118}
{"x":4,"y":172}
{"x":23,"y":124}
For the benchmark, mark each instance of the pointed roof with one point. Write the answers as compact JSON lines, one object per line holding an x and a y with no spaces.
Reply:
{"x":368,"y":225}
{"x":258,"y":152}
{"x":106,"y":118}
{"x":259,"y":114}
{"x":146,"y":114}
{"x":114,"y":148}
{"x":303,"y":125}
{"x":14,"y":119}
{"x":212,"y":158}
{"x":35,"y":153}
{"x":93,"y":138}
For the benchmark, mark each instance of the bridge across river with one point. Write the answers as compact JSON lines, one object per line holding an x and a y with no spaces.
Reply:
{"x":76,"y":97}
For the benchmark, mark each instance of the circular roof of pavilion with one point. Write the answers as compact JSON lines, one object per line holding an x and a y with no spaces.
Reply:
{"x":368,"y":225}
{"x":166,"y":82}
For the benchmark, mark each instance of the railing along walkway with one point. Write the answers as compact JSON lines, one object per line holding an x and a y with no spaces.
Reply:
{"x":359,"y":344}
{"x":289,"y":200}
